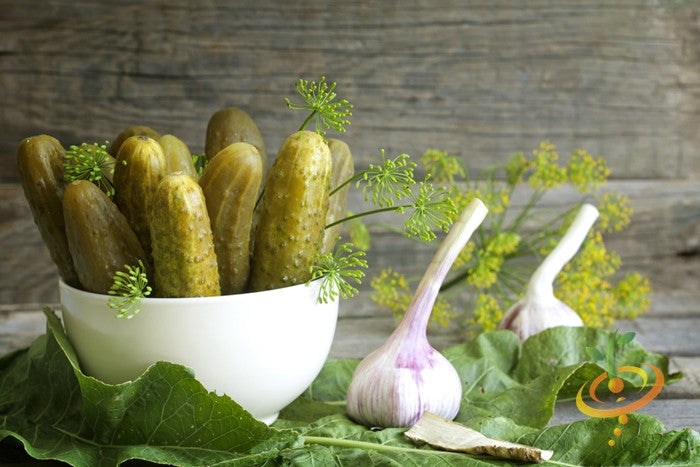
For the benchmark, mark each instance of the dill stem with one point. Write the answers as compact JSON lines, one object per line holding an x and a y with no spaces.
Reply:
{"x":367,"y":213}
{"x":308,"y":119}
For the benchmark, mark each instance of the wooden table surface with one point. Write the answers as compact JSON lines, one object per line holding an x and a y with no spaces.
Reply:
{"x":28,"y":281}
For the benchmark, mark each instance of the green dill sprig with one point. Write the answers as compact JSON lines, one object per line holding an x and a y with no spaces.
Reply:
{"x":320,"y":101}
{"x":90,"y":162}
{"x":431,"y":208}
{"x":200,"y":161}
{"x":129,"y":288}
{"x":393,"y":182}
{"x":338,"y":268}
{"x":384,"y":184}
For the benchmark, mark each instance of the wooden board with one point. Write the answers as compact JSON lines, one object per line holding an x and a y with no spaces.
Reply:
{"x":479,"y":79}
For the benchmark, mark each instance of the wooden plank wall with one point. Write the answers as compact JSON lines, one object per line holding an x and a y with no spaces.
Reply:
{"x":480,"y":79}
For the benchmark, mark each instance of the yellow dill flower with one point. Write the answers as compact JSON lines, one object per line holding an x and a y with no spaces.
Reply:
{"x":594,"y":259}
{"x":595,"y":306}
{"x":490,"y":259}
{"x":495,"y":200}
{"x":443,"y":312}
{"x":487,"y":313}
{"x":442,"y":167}
{"x":632,"y":296}
{"x":586,"y":173}
{"x":516,"y":167}
{"x":546,"y":173}
{"x":485,"y":272}
{"x":615,"y":212}
{"x":391,"y":290}
{"x":504,"y":243}
{"x":465,"y":255}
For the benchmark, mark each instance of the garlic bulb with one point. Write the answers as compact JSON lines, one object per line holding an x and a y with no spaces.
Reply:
{"x":539,"y":309}
{"x":406,"y":376}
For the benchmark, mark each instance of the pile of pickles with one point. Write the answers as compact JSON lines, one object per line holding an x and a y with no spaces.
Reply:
{"x":239,"y":225}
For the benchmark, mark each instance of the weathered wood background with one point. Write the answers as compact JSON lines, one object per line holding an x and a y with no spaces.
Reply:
{"x":477,"y":78}
{"x":480,"y":79}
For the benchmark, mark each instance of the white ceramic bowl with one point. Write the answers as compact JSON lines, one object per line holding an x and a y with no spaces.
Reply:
{"x":262,"y":349}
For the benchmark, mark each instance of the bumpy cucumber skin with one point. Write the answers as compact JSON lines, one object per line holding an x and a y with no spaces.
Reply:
{"x":230,"y":183}
{"x":99,"y":237}
{"x":135,"y":130}
{"x":41,"y":169}
{"x":292,"y":213}
{"x":343,"y":169}
{"x":231,"y":125}
{"x":178,"y":157}
{"x":139,"y":168}
{"x":184,"y":259}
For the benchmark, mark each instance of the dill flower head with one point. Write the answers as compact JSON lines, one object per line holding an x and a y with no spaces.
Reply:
{"x":442,"y":167}
{"x":585,"y":172}
{"x":490,"y":258}
{"x":632,"y":296}
{"x":391,"y":290}
{"x":90,"y":162}
{"x":615,"y":212}
{"x":516,"y":167}
{"x":546,"y":173}
{"x":487,"y":314}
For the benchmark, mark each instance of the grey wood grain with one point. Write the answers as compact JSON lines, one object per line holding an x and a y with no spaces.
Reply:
{"x":479,"y":79}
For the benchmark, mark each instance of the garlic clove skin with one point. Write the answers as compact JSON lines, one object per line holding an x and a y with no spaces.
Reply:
{"x":528,"y":317}
{"x":403,"y":378}
{"x":392,"y":390}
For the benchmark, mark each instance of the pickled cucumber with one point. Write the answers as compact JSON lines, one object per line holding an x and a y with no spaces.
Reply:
{"x":231,"y":125}
{"x":40,"y":164}
{"x":292,"y":213}
{"x":343,"y":170}
{"x":139,"y":167}
{"x":99,"y":237}
{"x":135,"y":130}
{"x":184,"y":259}
{"x":230,"y":184}
{"x":178,"y":157}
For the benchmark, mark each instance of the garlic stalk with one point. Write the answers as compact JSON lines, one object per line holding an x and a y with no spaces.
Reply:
{"x":539,"y":309}
{"x":406,"y":376}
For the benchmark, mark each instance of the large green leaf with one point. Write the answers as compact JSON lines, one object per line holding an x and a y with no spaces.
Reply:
{"x":166,"y":416}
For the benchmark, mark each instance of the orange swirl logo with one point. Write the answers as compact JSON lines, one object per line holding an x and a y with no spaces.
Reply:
{"x":616,"y":385}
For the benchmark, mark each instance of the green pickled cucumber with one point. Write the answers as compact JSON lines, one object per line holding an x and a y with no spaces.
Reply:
{"x":135,"y":130}
{"x":230,"y":183}
{"x":232,"y":125}
{"x":292,"y":213}
{"x":184,"y":259}
{"x":99,"y":237}
{"x":41,"y":169}
{"x":139,"y":168}
{"x":178,"y":157}
{"x":343,"y":170}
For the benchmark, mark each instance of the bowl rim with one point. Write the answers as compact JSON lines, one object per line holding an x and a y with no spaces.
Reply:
{"x":199,"y":300}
